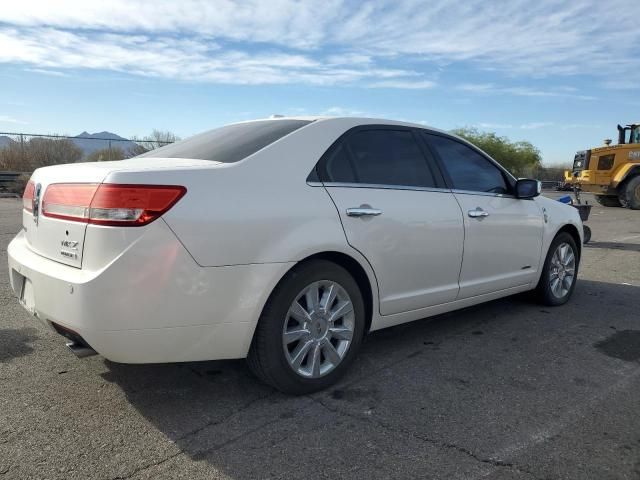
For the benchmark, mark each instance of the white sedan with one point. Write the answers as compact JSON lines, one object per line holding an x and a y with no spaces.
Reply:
{"x":283,"y":241}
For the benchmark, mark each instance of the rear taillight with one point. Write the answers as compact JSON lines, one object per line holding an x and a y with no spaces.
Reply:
{"x":109,"y":204}
{"x":27,"y":196}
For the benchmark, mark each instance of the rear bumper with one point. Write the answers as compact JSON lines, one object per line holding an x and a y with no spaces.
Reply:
{"x":152,"y":303}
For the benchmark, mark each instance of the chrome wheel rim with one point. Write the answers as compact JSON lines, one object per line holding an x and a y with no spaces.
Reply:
{"x":563,"y":270}
{"x":318,"y":329}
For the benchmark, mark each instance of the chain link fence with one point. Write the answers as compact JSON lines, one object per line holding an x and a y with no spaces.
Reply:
{"x":22,"y":153}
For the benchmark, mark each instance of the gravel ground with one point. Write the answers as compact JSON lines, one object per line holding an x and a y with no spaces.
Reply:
{"x":506,"y":390}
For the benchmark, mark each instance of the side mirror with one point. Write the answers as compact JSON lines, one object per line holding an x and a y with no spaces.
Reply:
{"x":528,"y":188}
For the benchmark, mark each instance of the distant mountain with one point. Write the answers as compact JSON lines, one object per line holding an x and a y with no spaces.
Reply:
{"x":4,"y":141}
{"x":90,"y":142}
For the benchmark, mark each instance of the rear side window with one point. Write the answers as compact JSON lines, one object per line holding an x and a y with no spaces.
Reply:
{"x":229,"y":144}
{"x":468,"y":169}
{"x":379,"y":157}
{"x":340,"y":167}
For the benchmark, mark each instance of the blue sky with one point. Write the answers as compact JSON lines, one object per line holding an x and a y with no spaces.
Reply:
{"x":560,"y":74}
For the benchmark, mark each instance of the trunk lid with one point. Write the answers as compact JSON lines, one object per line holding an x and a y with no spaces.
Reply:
{"x":63,"y":240}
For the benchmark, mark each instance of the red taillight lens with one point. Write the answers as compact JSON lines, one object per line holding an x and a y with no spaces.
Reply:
{"x":110,"y":204}
{"x":68,"y":201}
{"x":132,"y":204}
{"x":27,"y":196}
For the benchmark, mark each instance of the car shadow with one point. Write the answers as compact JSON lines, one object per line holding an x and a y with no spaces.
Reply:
{"x":627,"y":247}
{"x":16,"y":342}
{"x":447,"y":378}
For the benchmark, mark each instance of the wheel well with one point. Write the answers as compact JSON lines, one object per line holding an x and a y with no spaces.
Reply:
{"x":631,"y":174}
{"x":357,"y":272}
{"x":573,"y":231}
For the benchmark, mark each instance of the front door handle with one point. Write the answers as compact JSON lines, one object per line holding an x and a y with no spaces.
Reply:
{"x":363,"y":211}
{"x":478,"y":213}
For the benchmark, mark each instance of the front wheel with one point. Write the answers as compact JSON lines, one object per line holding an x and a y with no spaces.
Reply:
{"x":560,"y":271}
{"x":310,"y":329}
{"x":632,"y":193}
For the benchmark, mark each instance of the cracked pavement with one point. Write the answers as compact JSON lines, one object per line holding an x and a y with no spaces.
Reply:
{"x":505,"y":390}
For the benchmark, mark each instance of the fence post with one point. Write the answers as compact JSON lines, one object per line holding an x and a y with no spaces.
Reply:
{"x":22,"y":152}
{"x":109,"y":150}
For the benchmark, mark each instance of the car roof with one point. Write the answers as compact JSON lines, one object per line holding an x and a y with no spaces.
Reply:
{"x":354,"y":121}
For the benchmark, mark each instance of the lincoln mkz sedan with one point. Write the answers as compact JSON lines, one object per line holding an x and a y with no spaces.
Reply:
{"x":283,"y":241}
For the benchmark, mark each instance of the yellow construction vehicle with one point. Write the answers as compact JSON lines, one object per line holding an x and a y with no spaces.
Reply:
{"x":611,"y":172}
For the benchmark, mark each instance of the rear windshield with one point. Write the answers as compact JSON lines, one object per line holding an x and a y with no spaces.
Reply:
{"x":229,"y":144}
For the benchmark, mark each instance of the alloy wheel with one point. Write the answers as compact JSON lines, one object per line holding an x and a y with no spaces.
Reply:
{"x":318,"y":329}
{"x":563,"y":270}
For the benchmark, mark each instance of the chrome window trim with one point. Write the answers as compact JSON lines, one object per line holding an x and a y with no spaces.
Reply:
{"x":483,"y":194}
{"x":386,"y":187}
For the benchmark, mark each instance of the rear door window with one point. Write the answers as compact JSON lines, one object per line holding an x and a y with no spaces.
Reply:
{"x":379,"y":157}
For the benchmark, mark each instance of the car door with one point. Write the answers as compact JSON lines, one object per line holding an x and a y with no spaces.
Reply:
{"x":503,"y":234}
{"x":398,"y":213}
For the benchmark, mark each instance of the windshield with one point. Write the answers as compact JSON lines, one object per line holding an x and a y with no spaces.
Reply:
{"x":229,"y":144}
{"x":635,"y":135}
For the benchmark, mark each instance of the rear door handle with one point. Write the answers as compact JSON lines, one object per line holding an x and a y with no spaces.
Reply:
{"x":363,"y":211}
{"x":478,"y":213}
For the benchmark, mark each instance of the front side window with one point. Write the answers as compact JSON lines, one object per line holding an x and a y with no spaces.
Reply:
{"x":229,"y":144}
{"x":468,"y":169}
{"x":379,"y":157}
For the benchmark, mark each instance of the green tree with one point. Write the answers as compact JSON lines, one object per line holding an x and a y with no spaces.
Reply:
{"x":521,"y":158}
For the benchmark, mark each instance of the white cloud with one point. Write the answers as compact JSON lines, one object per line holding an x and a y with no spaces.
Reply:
{"x":490,"y":88}
{"x":341,"y":112}
{"x":509,"y":126}
{"x":536,"y":125}
{"x":497,"y":126}
{"x":191,"y":59}
{"x":12,"y":120}
{"x":326,"y":43}
{"x":42,"y":71}
{"x":410,"y":84}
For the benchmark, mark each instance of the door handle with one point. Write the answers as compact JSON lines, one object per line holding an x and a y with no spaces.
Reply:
{"x":363,"y":211}
{"x":478,"y":213}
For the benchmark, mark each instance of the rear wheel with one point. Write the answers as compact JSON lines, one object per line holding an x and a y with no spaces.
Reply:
{"x":310,"y":329}
{"x":560,"y":271}
{"x":632,"y":193}
{"x":608,"y":201}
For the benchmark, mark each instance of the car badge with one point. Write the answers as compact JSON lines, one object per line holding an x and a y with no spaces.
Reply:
{"x":35,"y":203}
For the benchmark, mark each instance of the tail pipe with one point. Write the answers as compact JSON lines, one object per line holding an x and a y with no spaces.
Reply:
{"x":80,"y":350}
{"x":78,"y":345}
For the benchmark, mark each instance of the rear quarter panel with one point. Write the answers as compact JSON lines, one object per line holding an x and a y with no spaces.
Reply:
{"x":258,"y":210}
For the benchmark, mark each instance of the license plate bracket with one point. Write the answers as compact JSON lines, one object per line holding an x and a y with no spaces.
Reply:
{"x":27,"y":297}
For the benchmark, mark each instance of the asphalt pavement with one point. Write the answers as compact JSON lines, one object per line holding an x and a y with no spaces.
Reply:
{"x":505,"y":390}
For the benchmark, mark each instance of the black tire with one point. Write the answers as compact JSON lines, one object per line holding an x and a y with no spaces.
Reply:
{"x":544,"y":291}
{"x":587,"y":233}
{"x":267,"y":357}
{"x":608,"y":201}
{"x":632,"y":193}
{"x":622,"y":198}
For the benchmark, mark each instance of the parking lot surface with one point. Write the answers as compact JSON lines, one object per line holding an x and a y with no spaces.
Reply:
{"x":505,"y":390}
